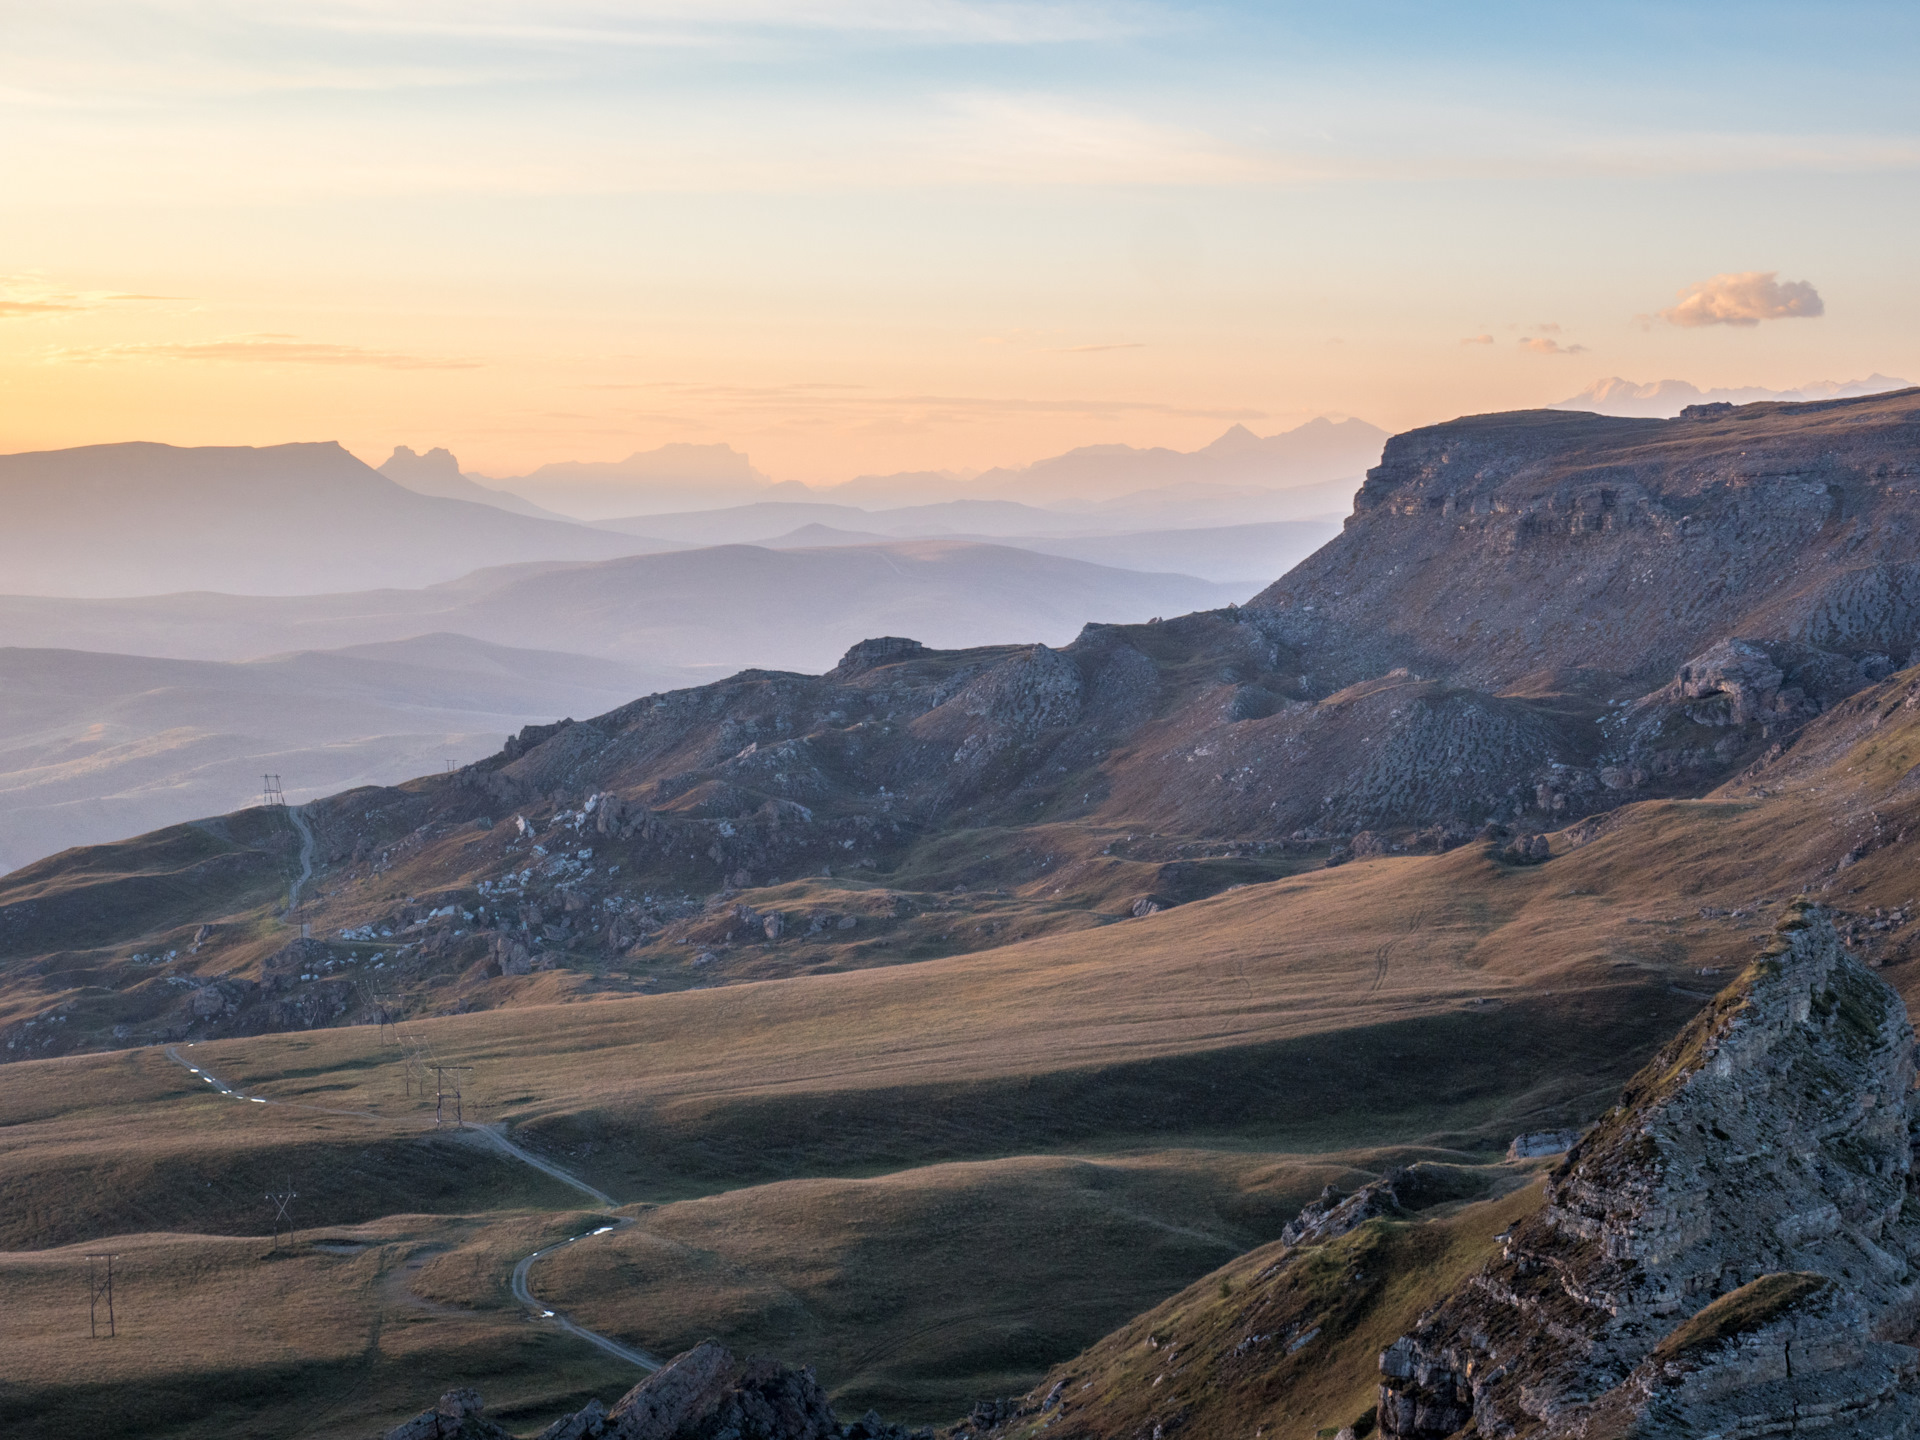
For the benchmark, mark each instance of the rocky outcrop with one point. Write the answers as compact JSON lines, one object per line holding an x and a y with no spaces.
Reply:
{"x":1397,"y":1194}
{"x":1730,"y":1252}
{"x":459,"y":1416}
{"x":708,"y":1393}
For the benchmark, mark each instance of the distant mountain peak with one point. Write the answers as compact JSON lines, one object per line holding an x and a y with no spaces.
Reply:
{"x":1237,"y":438}
{"x":407,"y":461}
{"x":1664,"y":399}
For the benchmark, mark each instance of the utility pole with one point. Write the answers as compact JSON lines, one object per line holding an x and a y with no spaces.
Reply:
{"x":99,"y":1288}
{"x":283,"y":1210}
{"x":440,"y":1072}
{"x":270,"y":792}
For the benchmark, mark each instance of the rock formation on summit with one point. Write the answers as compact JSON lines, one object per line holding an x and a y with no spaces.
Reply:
{"x":1495,"y":546}
{"x":1732,"y":1251}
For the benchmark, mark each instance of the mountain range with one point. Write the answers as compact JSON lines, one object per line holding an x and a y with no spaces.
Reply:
{"x":1228,"y":1022}
{"x":1664,"y":399}
{"x":142,"y":519}
{"x":125,"y":714}
{"x":1309,"y":461}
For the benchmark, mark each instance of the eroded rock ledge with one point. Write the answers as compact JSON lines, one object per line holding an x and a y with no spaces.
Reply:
{"x":1731,"y":1252}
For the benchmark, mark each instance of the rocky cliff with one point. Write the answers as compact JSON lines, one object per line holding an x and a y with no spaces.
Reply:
{"x":1732,"y":1251}
{"x":1494,"y":546}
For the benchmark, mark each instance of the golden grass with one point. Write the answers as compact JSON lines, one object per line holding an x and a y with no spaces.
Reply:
{"x":922,"y":1291}
{"x":1276,"y":1344}
{"x":325,"y":1338}
{"x":936,"y":1178}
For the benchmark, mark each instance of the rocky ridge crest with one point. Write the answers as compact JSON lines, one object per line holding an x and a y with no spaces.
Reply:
{"x":1734,"y":1250}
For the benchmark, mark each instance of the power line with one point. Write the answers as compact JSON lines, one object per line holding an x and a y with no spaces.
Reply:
{"x":283,"y":1211}
{"x":440,"y":1072}
{"x":98,"y":1288}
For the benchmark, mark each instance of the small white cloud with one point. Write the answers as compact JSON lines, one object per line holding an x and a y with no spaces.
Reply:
{"x":1745,"y":298}
{"x":1542,"y":345}
{"x":1095,"y":349}
{"x":1478,"y":340}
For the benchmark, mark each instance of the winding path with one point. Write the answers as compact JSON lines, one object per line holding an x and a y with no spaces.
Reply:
{"x":306,"y":856}
{"x":522,"y":1288}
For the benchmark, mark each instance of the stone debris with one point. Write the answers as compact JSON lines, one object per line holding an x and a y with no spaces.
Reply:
{"x":1528,"y":850}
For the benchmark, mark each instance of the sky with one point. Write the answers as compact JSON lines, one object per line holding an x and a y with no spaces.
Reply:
{"x":851,"y":237}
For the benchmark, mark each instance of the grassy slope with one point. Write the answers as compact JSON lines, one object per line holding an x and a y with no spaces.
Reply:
{"x":1278,"y":1343}
{"x":1116,"y":1096}
{"x":922,"y":1290}
{"x":218,"y":1338}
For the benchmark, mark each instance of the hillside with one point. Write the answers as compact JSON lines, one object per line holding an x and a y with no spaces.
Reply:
{"x":141,"y":519}
{"x":1543,"y":540}
{"x":99,"y":746}
{"x":1307,"y":458}
{"x":718,"y":608}
{"x":1227,"y":554}
{"x":1178,"y":1087}
{"x":1658,"y":1283}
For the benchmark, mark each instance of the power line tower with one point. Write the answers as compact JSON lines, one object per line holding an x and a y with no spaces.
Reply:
{"x":271,"y":795}
{"x":440,"y":1073}
{"x":100,"y":1287}
{"x":283,"y":1212}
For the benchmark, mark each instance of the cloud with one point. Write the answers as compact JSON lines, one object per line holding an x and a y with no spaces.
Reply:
{"x":1542,"y":345}
{"x":269,"y":349}
{"x":25,"y":296}
{"x":1746,"y":299}
{"x":1478,"y":340}
{"x":15,"y":309}
{"x":1095,"y":349}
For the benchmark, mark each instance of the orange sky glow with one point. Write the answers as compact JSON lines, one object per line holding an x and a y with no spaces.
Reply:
{"x":932,"y":235}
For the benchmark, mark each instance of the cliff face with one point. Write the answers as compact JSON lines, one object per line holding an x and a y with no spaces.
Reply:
{"x":1541,"y":539}
{"x":1729,"y":1252}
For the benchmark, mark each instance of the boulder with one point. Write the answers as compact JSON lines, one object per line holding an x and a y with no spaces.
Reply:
{"x":1537,"y":1143}
{"x":459,"y":1416}
{"x":709,"y":1393}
